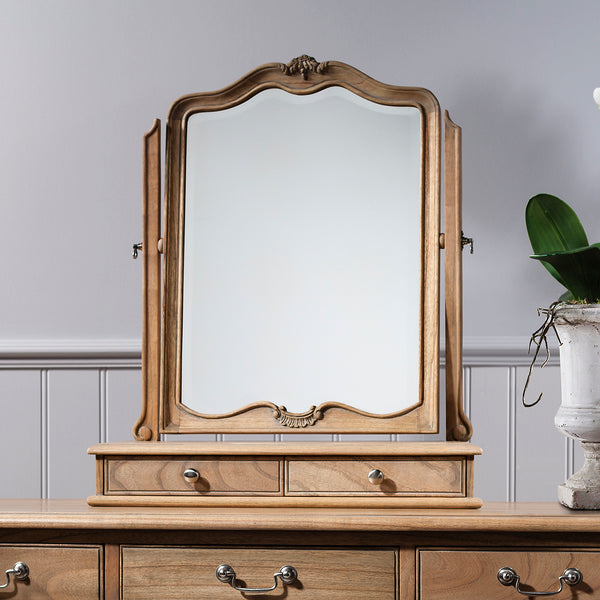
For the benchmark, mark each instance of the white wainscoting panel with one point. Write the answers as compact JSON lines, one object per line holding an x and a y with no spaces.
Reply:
{"x":73,"y":417}
{"x":123,"y":403}
{"x":21,"y":433}
{"x":487,"y":392}
{"x":61,"y":401}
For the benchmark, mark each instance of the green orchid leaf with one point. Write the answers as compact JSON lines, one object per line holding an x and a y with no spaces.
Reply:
{"x":553,"y":227}
{"x":579,"y":269}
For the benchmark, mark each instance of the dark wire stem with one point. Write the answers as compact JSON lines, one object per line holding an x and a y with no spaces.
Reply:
{"x":538,"y":339}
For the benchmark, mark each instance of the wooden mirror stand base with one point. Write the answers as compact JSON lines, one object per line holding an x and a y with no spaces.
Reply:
{"x":294,"y":474}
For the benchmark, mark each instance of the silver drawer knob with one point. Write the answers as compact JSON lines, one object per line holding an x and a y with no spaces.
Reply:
{"x":375,"y":476}
{"x":191,"y":475}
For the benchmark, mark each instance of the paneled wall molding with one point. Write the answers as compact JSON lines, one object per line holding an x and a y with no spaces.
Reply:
{"x":71,"y":352}
{"x":504,"y":351}
{"x":477,"y":351}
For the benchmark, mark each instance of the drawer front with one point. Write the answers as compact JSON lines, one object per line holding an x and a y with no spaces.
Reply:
{"x":55,"y":572}
{"x":443,"y":476}
{"x":472,"y":575}
{"x":220,"y":476}
{"x":190,"y":573}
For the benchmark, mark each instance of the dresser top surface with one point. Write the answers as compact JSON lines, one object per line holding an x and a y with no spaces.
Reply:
{"x":493,"y":516}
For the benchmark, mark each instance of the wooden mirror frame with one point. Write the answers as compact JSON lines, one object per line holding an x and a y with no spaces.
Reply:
{"x":162,"y":411}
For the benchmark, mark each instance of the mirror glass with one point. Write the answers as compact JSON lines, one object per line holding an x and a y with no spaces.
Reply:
{"x":303,"y":261}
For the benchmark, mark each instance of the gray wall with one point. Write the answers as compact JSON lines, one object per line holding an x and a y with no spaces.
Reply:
{"x":82,"y":81}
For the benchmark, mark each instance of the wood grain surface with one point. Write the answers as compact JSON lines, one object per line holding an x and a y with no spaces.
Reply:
{"x":55,"y":572}
{"x":534,"y":517}
{"x":351,"y":476}
{"x":189,"y":573}
{"x":471,"y":575}
{"x":218,"y":476}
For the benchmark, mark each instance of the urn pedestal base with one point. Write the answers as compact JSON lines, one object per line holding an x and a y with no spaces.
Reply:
{"x":582,"y":490}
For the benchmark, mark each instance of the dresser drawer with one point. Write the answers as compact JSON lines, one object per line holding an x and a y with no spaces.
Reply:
{"x":218,"y":476}
{"x":472,"y":575}
{"x":324,"y":574}
{"x":405,"y":476}
{"x":54,"y":572}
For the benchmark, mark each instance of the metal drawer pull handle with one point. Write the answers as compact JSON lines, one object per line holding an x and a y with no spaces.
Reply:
{"x":191,"y":475}
{"x":508,"y":576}
{"x":226,"y":574}
{"x":20,"y":571}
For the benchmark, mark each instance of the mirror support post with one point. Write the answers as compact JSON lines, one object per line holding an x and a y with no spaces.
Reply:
{"x":147,"y":426}
{"x":458,"y":426}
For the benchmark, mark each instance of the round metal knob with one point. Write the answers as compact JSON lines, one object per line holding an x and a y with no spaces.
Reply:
{"x":288,"y":574}
{"x":225,"y":574}
{"x":572,"y":576}
{"x":21,"y":571}
{"x":191,"y":475}
{"x":375,"y":476}
{"x":507,"y":576}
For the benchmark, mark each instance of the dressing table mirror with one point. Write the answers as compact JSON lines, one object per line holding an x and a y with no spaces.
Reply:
{"x":294,"y":289}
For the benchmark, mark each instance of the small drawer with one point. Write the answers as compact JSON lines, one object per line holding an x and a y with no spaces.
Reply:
{"x":472,"y":575}
{"x":190,"y":573}
{"x":52,"y":572}
{"x":373,"y":476}
{"x":193,"y":476}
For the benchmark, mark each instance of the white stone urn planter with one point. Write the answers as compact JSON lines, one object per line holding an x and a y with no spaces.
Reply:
{"x":578,"y":327}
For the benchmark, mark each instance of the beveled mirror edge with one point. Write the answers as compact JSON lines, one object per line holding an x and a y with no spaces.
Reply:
{"x":424,"y":418}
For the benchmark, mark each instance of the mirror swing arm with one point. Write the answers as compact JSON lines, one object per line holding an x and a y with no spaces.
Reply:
{"x":294,"y":474}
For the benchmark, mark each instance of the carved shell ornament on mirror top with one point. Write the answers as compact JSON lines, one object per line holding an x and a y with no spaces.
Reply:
{"x":304,"y":64}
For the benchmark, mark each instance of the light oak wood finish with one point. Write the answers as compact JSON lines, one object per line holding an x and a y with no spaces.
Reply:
{"x":147,"y":426}
{"x":430,"y":478}
{"x":78,"y":551}
{"x":147,"y":572}
{"x":55,"y":572}
{"x":470,"y":575}
{"x":458,"y":426}
{"x":217,"y":476}
{"x":331,"y":417}
{"x":285,"y":474}
{"x":526,"y":518}
{"x":399,"y":477}
{"x":415,"y":449}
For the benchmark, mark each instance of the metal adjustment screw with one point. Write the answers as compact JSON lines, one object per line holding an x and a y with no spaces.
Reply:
{"x":466,"y":241}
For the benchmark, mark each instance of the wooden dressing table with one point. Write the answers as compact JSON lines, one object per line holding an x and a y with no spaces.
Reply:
{"x":74,"y":551}
{"x":377,"y":520}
